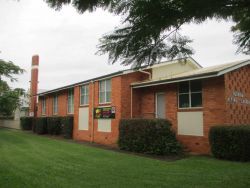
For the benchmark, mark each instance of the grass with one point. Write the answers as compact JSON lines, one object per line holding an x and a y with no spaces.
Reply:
{"x":28,"y":160}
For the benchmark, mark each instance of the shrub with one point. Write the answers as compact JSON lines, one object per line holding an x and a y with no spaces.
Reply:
{"x":54,"y":125}
{"x":67,"y":126}
{"x":26,"y":123}
{"x":230,"y":142}
{"x":152,"y":136}
{"x":40,"y":125}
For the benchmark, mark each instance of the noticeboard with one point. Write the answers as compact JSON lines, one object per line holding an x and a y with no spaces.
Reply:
{"x":104,"y":112}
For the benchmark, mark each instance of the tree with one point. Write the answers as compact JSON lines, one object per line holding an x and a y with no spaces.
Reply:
{"x":9,"y":98}
{"x":150,"y":28}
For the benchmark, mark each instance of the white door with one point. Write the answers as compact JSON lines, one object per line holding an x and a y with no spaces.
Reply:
{"x":160,"y":105}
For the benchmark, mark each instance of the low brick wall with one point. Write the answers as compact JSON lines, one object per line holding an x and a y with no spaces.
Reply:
{"x":13,"y":124}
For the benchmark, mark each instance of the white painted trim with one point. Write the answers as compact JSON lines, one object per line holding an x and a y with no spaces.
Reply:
{"x":247,"y":62}
{"x":34,"y":67}
{"x":109,"y":77}
{"x":188,"y":59}
{"x":174,"y":81}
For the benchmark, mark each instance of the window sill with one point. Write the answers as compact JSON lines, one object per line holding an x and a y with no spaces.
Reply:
{"x":84,"y":105}
{"x":190,"y":109}
{"x":105,"y":104}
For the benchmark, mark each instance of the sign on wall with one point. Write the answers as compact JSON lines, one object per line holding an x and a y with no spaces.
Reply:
{"x":104,"y":112}
{"x":238,"y":97}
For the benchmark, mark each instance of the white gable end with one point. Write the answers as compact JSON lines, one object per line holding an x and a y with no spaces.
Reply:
{"x":168,"y":70}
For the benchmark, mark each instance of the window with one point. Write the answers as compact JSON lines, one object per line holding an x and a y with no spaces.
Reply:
{"x":43,"y":106}
{"x":70,"y":101}
{"x":55,"y":104}
{"x":84,"y":95}
{"x":105,"y":91}
{"x":190,"y":94}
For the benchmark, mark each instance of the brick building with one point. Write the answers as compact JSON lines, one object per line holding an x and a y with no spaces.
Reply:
{"x":191,"y":97}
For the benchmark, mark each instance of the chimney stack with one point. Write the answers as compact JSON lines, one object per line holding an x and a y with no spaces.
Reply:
{"x":34,"y":86}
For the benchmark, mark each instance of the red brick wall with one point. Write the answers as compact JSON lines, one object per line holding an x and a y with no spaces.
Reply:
{"x":62,"y":104}
{"x":34,"y":85}
{"x":127,"y":79}
{"x":213,"y":109}
{"x":120,"y":98}
{"x":238,"y":80}
{"x":92,"y":134}
{"x":213,"y":114}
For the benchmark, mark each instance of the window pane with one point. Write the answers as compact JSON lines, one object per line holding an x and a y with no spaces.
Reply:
{"x":108,"y":85}
{"x":55,"y":104}
{"x":184,"y":87}
{"x":43,"y":106}
{"x":82,"y":90}
{"x":102,"y":86}
{"x":196,"y":100}
{"x":183,"y":100}
{"x":108,"y":96}
{"x":196,"y":86}
{"x":87,"y":89}
{"x":102,"y":97}
{"x":87,"y":99}
{"x":71,"y":101}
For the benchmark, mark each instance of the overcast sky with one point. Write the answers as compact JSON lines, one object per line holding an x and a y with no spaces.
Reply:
{"x":66,"y":42}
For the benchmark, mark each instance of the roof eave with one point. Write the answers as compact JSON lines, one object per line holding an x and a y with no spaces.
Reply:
{"x":174,"y":80}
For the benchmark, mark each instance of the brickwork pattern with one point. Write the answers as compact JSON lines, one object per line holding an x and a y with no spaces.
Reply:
{"x":238,"y":81}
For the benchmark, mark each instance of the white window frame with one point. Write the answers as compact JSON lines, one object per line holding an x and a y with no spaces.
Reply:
{"x":189,"y":96}
{"x":105,"y":91}
{"x":70,"y":105}
{"x":85,"y":95}
{"x":43,"y":106}
{"x":55,"y":104}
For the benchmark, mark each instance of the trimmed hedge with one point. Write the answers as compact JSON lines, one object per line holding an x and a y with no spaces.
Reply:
{"x":26,"y":123}
{"x":230,"y":142}
{"x":54,"y":125}
{"x":41,"y":125}
{"x":67,"y":126}
{"x":151,"y":136}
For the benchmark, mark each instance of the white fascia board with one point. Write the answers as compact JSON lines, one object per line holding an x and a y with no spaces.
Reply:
{"x":232,"y":68}
{"x":173,"y":81}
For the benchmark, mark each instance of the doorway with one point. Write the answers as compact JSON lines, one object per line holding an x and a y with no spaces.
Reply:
{"x":160,"y":105}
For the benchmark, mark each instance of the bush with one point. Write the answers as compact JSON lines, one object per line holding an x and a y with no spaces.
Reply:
{"x":40,"y":125}
{"x":230,"y":142}
{"x":67,"y":126}
{"x":26,"y":123}
{"x":152,"y":136}
{"x":54,"y":125}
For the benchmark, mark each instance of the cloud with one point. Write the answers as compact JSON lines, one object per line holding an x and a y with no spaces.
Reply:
{"x":66,"y":42}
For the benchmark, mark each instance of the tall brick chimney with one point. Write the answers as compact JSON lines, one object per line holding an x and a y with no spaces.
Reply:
{"x":34,"y":86}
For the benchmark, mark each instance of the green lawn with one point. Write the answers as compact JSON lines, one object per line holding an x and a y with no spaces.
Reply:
{"x":28,"y":160}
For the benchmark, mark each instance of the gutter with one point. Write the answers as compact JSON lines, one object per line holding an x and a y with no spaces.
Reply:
{"x":148,"y":73}
{"x":161,"y":82}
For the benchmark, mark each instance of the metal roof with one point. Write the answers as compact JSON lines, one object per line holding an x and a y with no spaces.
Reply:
{"x":126,"y":71}
{"x":207,"y":72}
{"x":81,"y":83}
